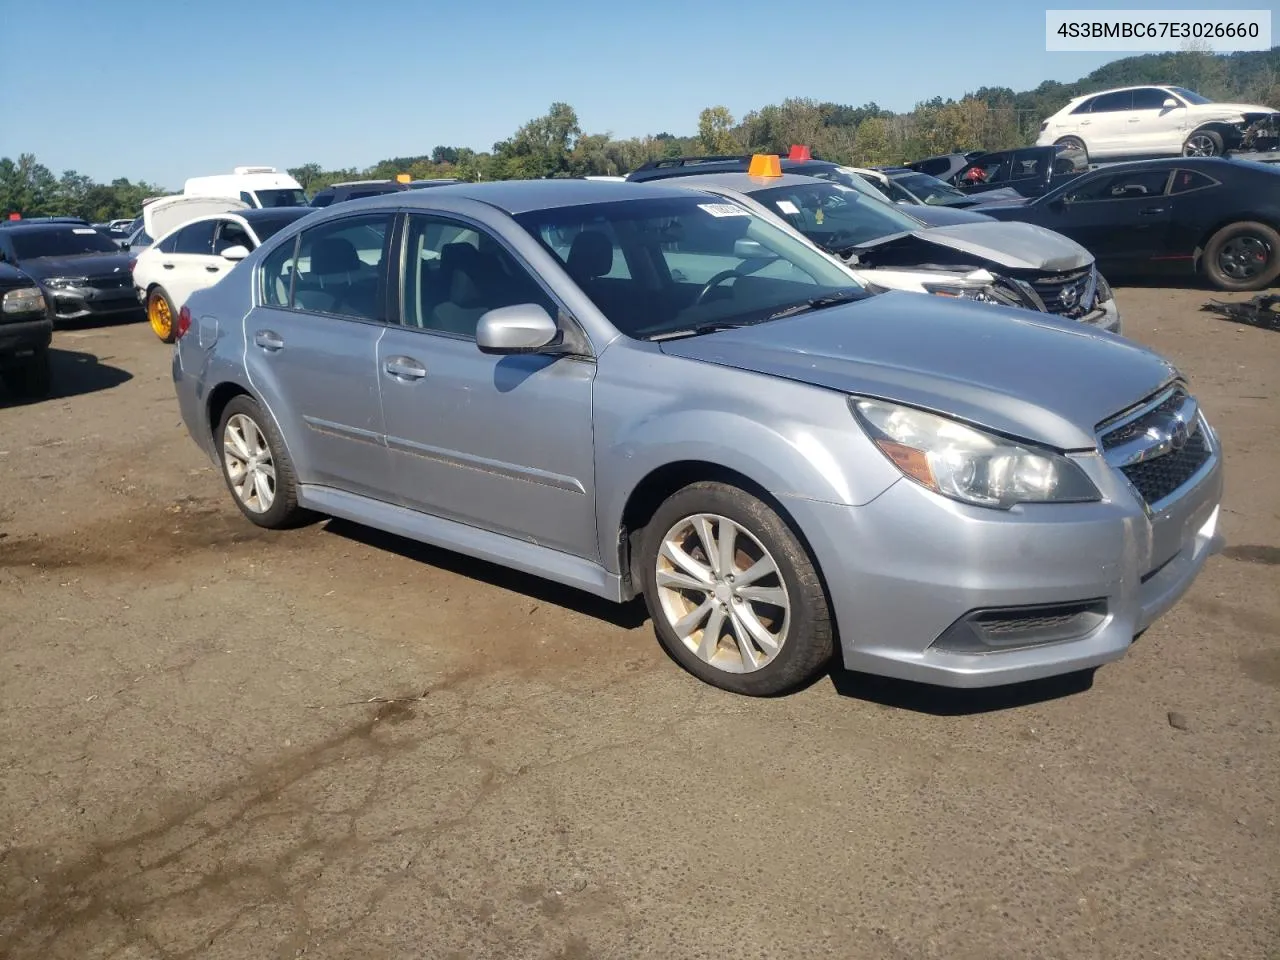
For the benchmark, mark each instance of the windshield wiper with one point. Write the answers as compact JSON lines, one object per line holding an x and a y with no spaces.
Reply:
{"x":709,"y":327}
{"x":817,"y":303}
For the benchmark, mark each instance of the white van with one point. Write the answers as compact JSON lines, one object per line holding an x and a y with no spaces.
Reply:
{"x":256,"y":186}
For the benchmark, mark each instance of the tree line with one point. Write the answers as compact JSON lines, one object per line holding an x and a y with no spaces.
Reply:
{"x":555,"y":145}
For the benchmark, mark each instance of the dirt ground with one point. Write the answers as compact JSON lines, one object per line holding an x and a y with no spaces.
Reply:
{"x":221,"y":742}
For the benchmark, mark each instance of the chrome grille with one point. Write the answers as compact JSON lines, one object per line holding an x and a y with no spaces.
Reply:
{"x":1069,"y":294}
{"x":1159,"y":446}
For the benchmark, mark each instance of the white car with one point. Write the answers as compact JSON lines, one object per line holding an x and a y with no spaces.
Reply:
{"x":1152,"y":121}
{"x":200,"y":240}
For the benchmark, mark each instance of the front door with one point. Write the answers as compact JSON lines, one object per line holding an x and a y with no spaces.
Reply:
{"x":312,"y":350}
{"x":1119,"y":217}
{"x":1153,"y":127}
{"x":503,"y":443}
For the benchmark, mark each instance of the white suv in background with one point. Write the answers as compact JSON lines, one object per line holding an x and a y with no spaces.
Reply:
{"x":1153,"y":121}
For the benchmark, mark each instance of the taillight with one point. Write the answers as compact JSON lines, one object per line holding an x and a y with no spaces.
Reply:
{"x":184,"y":322}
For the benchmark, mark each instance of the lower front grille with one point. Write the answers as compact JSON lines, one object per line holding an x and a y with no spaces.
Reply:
{"x":110,"y":283}
{"x":1156,"y":479}
{"x":1014,"y":628}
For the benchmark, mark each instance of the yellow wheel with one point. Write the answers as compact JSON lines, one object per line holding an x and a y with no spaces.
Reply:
{"x":160,"y":313}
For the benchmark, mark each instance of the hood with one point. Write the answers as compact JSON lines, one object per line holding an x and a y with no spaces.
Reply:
{"x":1017,"y":246}
{"x":168,"y":213}
{"x":81,"y":265}
{"x":1012,"y":371}
{"x":942,"y":216}
{"x":1232,"y":109}
{"x":12,"y":278}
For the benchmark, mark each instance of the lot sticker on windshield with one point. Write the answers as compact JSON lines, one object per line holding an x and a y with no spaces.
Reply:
{"x":786,"y":206}
{"x":83,"y":230}
{"x":723,"y":209}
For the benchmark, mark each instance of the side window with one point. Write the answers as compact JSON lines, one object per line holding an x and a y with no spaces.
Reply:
{"x":1027,"y":164}
{"x":231,"y":234}
{"x":455,"y":274}
{"x":195,"y":238}
{"x":248,"y":198}
{"x":936,"y":167}
{"x":1085,"y":107}
{"x":341,"y":267}
{"x":1149,"y":98}
{"x":1186,"y":180}
{"x":1113,"y":102}
{"x":1120,"y":186}
{"x":277,"y":274}
{"x":992,"y":169}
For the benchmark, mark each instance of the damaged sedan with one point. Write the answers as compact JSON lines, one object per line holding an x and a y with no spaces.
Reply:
{"x":1010,"y":264}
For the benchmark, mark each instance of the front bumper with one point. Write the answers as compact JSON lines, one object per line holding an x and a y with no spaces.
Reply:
{"x":904,"y":569}
{"x":1104,"y":316}
{"x":80,"y":303}
{"x":22,"y":337}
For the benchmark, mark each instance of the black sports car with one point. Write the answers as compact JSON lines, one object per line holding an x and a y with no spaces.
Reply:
{"x":1192,"y":215}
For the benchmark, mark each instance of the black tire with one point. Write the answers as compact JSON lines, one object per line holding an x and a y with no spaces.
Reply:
{"x":1202,"y":143}
{"x":159,"y":306}
{"x":283,"y":511}
{"x":1074,"y":143}
{"x":808,"y":642}
{"x":29,"y":377}
{"x":1227,"y":256}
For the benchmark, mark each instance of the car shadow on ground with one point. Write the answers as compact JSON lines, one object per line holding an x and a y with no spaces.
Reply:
{"x":75,"y":373}
{"x":628,"y":616}
{"x":900,"y":694}
{"x":949,"y":702}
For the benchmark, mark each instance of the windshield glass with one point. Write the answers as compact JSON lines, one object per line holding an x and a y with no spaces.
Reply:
{"x":930,"y":189}
{"x":833,"y":216}
{"x":60,"y":242}
{"x":266,"y":226}
{"x":1190,"y":96}
{"x":848,"y":177}
{"x":660,"y":266}
{"x":281,"y":198}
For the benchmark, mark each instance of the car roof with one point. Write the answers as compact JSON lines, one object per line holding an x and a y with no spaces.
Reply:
{"x":521,"y":196}
{"x":745,"y":183}
{"x":1136,"y":86}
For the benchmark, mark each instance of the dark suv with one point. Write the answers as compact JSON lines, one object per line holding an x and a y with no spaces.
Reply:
{"x":26,"y":328}
{"x":340,"y":192}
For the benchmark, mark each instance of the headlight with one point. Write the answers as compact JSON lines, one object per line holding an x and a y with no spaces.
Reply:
{"x":26,"y":300}
{"x":970,"y":465}
{"x":61,"y":283}
{"x":984,"y":294}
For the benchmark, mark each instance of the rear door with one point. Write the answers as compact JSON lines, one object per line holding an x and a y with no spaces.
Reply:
{"x":186,"y":269}
{"x":1105,"y":130}
{"x":312,"y":347}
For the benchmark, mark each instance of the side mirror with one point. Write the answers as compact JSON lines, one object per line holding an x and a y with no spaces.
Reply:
{"x":1170,"y":104}
{"x":752,"y":250}
{"x":522,"y":328}
{"x":238,"y":252}
{"x":124,"y":244}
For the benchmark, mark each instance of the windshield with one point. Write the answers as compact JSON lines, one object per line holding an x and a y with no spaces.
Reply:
{"x":846,"y":176}
{"x":658,"y":267}
{"x":269,"y":225}
{"x":931,"y":190}
{"x":833,"y":216}
{"x":61,"y":242}
{"x":1190,"y":96}
{"x":281,"y":198}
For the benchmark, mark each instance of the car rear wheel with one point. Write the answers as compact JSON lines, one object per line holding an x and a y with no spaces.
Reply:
{"x":257,"y":467}
{"x":1203,"y":143}
{"x":29,"y":377}
{"x":735,"y":597}
{"x":161,"y":315}
{"x":1075,"y":145}
{"x":1242,"y":256}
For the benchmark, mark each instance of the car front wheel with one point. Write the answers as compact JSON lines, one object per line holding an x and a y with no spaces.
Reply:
{"x":735,"y":597}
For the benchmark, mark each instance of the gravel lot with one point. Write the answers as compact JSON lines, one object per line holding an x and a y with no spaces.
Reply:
{"x":193,"y":761}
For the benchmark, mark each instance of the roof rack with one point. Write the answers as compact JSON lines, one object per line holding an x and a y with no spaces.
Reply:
{"x":691,"y":161}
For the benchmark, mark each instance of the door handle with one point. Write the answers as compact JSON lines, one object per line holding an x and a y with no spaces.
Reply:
{"x":212,"y":269}
{"x":268,"y":340}
{"x":405,"y":368}
{"x":1151,"y":211}
{"x":167,"y":266}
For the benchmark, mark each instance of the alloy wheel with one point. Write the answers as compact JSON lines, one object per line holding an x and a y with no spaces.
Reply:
{"x":722,"y":593}
{"x":1244,"y":257}
{"x":1200,"y":145}
{"x":160,"y":316}
{"x":249,"y":465}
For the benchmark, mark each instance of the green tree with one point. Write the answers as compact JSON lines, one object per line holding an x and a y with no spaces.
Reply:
{"x":715,"y":131}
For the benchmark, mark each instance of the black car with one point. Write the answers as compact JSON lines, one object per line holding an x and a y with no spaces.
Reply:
{"x":83,"y":272}
{"x":928,"y":215}
{"x":26,"y":329}
{"x":1031,"y":171}
{"x":1208,"y":215}
{"x":354,"y":190}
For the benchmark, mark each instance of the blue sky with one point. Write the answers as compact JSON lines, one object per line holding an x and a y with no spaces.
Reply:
{"x":166,"y":89}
